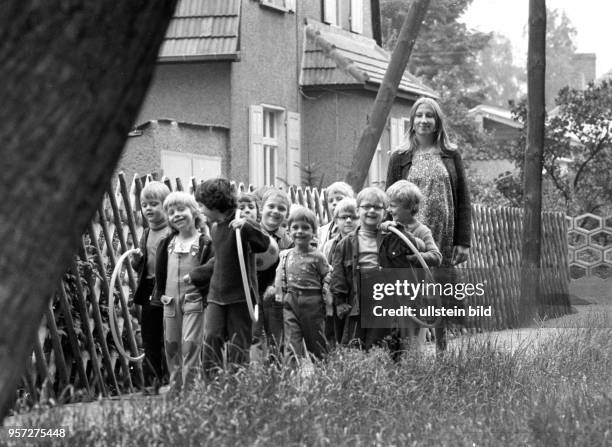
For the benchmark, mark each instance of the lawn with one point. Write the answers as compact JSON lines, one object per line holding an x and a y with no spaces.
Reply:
{"x":554,"y":392}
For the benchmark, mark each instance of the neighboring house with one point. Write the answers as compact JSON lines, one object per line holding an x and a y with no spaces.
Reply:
{"x":255,"y":90}
{"x":499,"y":123}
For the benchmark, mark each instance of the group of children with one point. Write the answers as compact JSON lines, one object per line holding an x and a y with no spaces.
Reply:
{"x":194,"y":310}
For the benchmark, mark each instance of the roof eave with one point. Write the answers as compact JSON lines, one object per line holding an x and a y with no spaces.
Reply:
{"x":404,"y":93}
{"x":232,"y":57}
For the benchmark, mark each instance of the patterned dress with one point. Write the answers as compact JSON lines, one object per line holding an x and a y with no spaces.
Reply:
{"x":436,"y":210}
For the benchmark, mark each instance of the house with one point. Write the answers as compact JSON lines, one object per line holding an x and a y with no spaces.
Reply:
{"x":499,"y":123}
{"x":258,"y":90}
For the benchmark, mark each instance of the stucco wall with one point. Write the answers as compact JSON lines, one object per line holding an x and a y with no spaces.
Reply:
{"x":332,"y":126}
{"x":262,"y":29}
{"x":142,"y":154}
{"x":196,"y":93}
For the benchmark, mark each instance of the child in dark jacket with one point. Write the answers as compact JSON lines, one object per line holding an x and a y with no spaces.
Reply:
{"x":345,"y":221}
{"x":183,"y":302}
{"x":227,"y":315}
{"x":151,"y":317}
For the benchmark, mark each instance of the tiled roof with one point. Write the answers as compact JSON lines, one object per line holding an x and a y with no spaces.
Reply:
{"x":496,"y":114}
{"x":336,"y":57}
{"x":202,"y":30}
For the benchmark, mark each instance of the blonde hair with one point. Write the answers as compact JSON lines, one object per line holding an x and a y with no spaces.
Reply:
{"x":407,"y":194}
{"x":340,"y":188}
{"x":348,"y":204}
{"x":155,"y":190}
{"x":441,"y":138}
{"x":372,"y":191}
{"x":181,"y":198}
{"x":276,"y":195}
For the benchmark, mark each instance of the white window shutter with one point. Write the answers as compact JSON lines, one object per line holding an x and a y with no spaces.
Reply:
{"x":329,"y":12}
{"x":290,"y":5}
{"x":294,"y":157}
{"x":357,"y":16}
{"x":256,"y":156}
{"x":395,"y":134}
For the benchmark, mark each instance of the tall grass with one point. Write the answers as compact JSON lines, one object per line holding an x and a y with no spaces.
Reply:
{"x":555,"y":393}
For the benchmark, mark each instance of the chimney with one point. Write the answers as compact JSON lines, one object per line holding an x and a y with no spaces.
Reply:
{"x":584,"y":70}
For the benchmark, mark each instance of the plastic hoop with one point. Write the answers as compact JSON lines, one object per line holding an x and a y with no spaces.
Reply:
{"x":111,"y":307}
{"x":430,"y":277}
{"x":253,"y":309}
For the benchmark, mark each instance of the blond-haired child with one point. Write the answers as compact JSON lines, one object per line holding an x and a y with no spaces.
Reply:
{"x":183,"y":302}
{"x":405,"y":198}
{"x":152,"y":198}
{"x":275,"y":206}
{"x":334,"y":194}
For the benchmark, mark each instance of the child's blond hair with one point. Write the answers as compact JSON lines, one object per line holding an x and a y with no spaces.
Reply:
{"x":341,"y":188}
{"x":372,"y":191}
{"x":276,"y":195}
{"x":346,"y":205}
{"x":155,"y":190}
{"x":407,"y":194}
{"x":181,"y":198}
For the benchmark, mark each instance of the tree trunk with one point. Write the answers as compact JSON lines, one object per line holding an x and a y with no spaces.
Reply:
{"x":74,"y":74}
{"x":532,"y":181}
{"x":386,"y":94}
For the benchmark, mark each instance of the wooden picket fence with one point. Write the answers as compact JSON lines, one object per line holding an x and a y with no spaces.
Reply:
{"x":75,"y":358}
{"x":495,"y":260}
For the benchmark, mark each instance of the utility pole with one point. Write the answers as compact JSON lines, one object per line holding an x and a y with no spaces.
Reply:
{"x":532,"y":180}
{"x":386,"y":94}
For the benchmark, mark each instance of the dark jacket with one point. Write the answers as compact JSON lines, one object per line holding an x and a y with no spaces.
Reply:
{"x":226,"y":282}
{"x":161,"y":267}
{"x":345,"y":287}
{"x":145,"y":286}
{"x":399,"y":166}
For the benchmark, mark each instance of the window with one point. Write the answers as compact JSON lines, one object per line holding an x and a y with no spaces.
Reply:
{"x":331,"y":12}
{"x":357,"y":16}
{"x":279,"y":5}
{"x":185,"y":165}
{"x":376,"y":174}
{"x":274,"y":146}
{"x":399,"y":128}
{"x":270,"y":146}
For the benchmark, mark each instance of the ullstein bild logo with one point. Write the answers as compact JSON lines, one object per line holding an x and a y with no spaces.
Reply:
{"x":392,"y":298}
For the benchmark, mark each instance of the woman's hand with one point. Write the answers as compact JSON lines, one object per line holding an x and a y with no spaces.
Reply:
{"x":460,"y":254}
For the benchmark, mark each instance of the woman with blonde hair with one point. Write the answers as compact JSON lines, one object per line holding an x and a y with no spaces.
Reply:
{"x":428,"y":159}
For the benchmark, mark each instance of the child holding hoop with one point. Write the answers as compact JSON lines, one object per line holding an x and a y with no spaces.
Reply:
{"x":404,"y":201}
{"x":227,"y":316}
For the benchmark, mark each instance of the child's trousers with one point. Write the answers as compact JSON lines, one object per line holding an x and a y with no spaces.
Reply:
{"x":304,"y":322}
{"x":152,"y":330}
{"x":229,"y":323}
{"x":183,"y":334}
